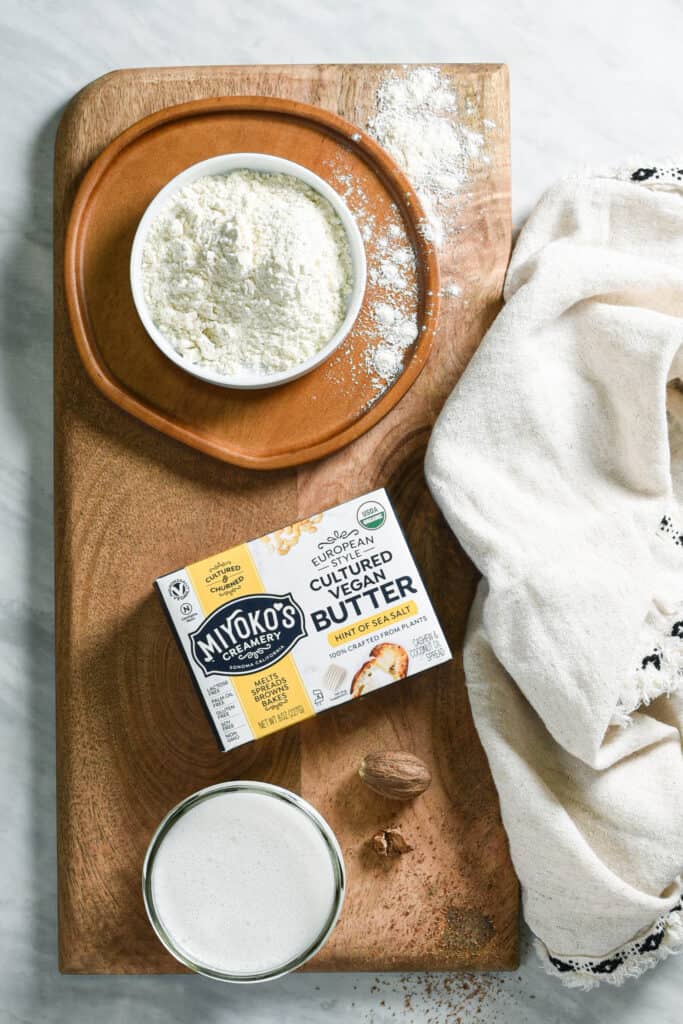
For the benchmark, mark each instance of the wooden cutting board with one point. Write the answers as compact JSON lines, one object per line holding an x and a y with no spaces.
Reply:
{"x":131,"y":504}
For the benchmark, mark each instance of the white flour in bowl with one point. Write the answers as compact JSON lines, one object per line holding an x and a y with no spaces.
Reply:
{"x":247,"y":272}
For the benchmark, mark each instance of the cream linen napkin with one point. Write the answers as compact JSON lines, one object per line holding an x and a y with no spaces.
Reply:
{"x":560,"y":468}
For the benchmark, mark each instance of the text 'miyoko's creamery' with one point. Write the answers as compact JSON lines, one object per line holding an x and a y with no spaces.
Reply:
{"x":313,"y":615}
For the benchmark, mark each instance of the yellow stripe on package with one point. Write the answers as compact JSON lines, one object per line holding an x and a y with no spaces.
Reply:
{"x":295,"y":622}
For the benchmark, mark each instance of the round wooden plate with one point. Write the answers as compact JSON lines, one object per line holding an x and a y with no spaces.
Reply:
{"x":285,"y":426}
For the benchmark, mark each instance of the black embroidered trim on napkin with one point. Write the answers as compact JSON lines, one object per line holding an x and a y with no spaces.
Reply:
{"x":649,"y":944}
{"x":665,"y":174}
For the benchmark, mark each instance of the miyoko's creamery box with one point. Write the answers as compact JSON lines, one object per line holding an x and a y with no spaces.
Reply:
{"x":295,"y":622}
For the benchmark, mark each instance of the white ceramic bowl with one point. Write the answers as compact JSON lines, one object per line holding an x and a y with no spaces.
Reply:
{"x":273,"y":165}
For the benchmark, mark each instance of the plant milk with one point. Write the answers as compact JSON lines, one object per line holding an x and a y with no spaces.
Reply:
{"x":243,"y":883}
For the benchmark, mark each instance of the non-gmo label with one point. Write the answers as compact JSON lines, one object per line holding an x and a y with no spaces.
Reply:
{"x":248,"y":634}
{"x":371,"y":515}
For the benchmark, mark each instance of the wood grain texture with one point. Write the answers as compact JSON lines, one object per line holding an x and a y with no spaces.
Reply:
{"x":130,"y":503}
{"x":258,"y":429}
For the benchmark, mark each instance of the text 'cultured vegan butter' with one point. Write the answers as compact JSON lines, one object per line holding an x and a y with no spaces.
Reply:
{"x":302,"y":619}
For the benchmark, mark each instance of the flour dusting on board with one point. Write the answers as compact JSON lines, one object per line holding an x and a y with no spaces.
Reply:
{"x":417,"y":123}
{"x":389,"y":322}
{"x":421,"y":123}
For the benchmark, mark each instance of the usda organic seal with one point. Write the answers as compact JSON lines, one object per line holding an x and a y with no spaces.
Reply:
{"x":371,"y":515}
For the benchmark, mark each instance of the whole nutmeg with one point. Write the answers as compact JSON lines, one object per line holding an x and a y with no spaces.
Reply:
{"x":395,"y":774}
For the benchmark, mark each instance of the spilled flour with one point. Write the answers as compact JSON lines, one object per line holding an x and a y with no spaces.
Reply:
{"x":421,"y":123}
{"x":417,"y":123}
{"x":389,"y":320}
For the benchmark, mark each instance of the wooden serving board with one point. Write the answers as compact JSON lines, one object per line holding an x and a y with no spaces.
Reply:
{"x":131,"y":503}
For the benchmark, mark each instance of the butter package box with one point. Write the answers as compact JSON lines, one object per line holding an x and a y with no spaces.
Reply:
{"x":316,"y":614}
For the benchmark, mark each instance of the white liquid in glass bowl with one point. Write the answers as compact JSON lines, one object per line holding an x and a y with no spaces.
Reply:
{"x":243,"y":881}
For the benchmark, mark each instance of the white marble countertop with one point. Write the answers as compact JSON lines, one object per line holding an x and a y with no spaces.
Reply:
{"x":593,"y":82}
